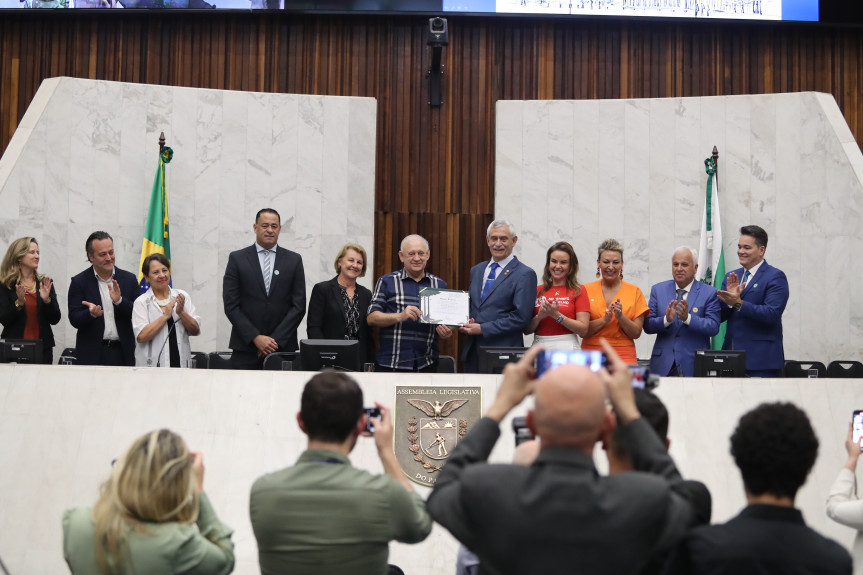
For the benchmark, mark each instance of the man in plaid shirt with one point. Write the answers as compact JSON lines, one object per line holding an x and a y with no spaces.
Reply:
{"x":405,"y":343}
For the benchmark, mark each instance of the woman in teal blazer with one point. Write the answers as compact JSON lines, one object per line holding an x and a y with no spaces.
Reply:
{"x":143,"y":520}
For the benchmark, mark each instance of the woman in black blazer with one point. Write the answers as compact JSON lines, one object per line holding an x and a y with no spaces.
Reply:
{"x":28,"y":302}
{"x":337,"y":308}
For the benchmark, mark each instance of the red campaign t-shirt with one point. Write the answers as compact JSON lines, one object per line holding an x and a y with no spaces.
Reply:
{"x":567,"y":303}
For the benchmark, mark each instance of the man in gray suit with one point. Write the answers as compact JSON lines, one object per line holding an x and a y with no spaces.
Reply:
{"x":569,"y":514}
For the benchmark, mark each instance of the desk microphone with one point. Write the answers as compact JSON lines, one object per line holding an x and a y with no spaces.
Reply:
{"x":159,"y":360}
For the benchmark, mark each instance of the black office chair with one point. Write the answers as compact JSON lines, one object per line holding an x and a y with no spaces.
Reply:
{"x":446,"y":364}
{"x":219,"y":360}
{"x":804,"y":369}
{"x":202,"y":360}
{"x":68,"y":355}
{"x":273,"y":362}
{"x":841,"y":368}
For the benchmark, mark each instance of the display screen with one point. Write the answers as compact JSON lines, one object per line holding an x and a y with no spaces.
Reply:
{"x":792,"y":10}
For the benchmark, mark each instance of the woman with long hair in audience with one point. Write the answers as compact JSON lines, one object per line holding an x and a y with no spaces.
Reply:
{"x":562,"y":310}
{"x":28,"y":302}
{"x":163,"y":318}
{"x":152,"y":516}
{"x":337,"y":307}
{"x":843,"y":505}
{"x":617,"y":308}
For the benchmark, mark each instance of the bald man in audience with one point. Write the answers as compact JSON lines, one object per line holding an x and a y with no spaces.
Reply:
{"x":569,"y":514}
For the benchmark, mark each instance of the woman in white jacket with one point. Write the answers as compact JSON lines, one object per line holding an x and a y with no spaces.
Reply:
{"x":163,"y":318}
{"x":843,"y":506}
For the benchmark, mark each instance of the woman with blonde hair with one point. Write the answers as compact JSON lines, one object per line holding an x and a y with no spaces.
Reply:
{"x":617,"y":308}
{"x":337,"y":307}
{"x":28,"y":302}
{"x":143,"y":520}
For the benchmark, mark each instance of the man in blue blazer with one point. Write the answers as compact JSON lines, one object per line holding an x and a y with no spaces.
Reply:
{"x":502,"y":297}
{"x":100,"y":307}
{"x":264,"y":292}
{"x":754,"y":298}
{"x":684,"y":314}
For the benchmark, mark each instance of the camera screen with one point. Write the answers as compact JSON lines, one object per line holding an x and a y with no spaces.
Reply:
{"x":371,"y":412}
{"x":640,"y":375}
{"x":550,"y":359}
{"x":857,"y":428}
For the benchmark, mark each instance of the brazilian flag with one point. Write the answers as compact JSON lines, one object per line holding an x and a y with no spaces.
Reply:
{"x":156,"y":240}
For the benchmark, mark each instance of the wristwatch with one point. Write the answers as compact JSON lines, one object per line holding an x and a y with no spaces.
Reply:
{"x":559,"y":319}
{"x":737,"y":306}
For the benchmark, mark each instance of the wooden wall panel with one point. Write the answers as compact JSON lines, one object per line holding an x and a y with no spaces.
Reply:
{"x":435,"y":166}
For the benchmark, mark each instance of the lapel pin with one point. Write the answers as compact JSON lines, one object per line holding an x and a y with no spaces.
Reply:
{"x":755,"y":286}
{"x":275,"y":272}
{"x":695,"y":310}
{"x":505,"y":272}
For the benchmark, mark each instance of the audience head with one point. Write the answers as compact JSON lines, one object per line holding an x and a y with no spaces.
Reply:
{"x":569,"y":409}
{"x":268,"y":226}
{"x":684,"y":265}
{"x":751,"y":246}
{"x":654,"y":412}
{"x":561,"y":256}
{"x":501,"y":238}
{"x":10,"y":269}
{"x":351,"y":253}
{"x":331,"y":408}
{"x":152,"y":482}
{"x":775,"y":447}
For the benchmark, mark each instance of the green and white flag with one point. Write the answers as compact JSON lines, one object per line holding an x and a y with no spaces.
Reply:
{"x":711,"y":255}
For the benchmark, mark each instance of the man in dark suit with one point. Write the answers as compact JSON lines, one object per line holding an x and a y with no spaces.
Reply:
{"x":264,"y":292}
{"x":775,"y":447}
{"x":684,"y":315}
{"x":559,"y":511}
{"x":100,"y":307}
{"x":755,"y":297}
{"x":502,"y":297}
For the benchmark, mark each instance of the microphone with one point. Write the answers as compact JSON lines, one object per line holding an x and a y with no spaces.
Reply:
{"x":159,"y":360}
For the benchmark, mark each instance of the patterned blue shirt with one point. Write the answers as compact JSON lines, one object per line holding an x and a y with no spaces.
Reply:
{"x":408,"y":344}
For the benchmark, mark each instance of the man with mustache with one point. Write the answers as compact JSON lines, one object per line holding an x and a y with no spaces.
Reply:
{"x":502,"y":297}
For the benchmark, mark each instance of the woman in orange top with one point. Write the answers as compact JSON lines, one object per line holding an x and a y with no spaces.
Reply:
{"x":617,"y":308}
{"x":28,"y":302}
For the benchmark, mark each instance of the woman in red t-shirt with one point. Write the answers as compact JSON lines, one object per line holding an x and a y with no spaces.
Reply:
{"x":562,"y":310}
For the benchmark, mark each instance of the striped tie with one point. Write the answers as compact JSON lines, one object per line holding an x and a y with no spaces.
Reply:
{"x":267,"y":273}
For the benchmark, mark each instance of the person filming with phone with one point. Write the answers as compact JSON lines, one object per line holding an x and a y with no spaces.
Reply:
{"x":560,"y":504}
{"x":843,"y":505}
{"x":324,"y":516}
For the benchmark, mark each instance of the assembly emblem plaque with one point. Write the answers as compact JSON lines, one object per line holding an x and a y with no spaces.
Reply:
{"x":429,"y":421}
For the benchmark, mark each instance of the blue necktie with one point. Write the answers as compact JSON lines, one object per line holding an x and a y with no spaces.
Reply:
{"x":746,"y":275}
{"x":680,"y":293}
{"x":490,"y":281}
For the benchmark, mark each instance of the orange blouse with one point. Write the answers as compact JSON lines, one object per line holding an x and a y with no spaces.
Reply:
{"x":634,"y":305}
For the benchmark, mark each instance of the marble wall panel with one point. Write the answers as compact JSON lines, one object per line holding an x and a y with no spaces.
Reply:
{"x":787,"y":162}
{"x":85,"y":155}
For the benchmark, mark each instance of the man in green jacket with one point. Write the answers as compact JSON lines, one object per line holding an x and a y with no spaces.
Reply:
{"x":323,"y":515}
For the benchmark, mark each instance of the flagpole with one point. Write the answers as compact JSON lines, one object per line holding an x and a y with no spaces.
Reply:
{"x":162,"y":143}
